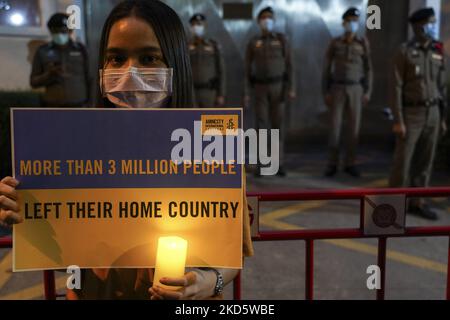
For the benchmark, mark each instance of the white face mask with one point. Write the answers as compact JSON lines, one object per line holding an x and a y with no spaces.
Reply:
{"x":60,"y":39}
{"x":267,"y":24}
{"x":198,"y":30}
{"x":137,"y":87}
{"x":351,"y":26}
{"x":431,"y":30}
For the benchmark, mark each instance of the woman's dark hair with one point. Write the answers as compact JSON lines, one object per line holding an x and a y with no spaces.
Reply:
{"x":172,"y":39}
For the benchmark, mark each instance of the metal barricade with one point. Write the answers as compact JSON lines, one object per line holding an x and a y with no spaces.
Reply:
{"x":309,"y":236}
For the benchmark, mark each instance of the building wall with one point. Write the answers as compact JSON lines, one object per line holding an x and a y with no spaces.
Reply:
{"x":17,"y":47}
{"x":309,"y":24}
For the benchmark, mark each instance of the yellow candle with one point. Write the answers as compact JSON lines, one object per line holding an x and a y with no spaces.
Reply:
{"x":170,"y":259}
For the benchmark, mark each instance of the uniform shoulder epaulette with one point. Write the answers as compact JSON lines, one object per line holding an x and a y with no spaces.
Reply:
{"x":255,"y":38}
{"x":214,"y":43}
{"x":76,"y":45}
{"x":411,"y":44}
{"x":405,"y":46}
{"x":46,"y":46}
{"x":280,"y":36}
{"x":362,"y":39}
{"x":334,"y":41}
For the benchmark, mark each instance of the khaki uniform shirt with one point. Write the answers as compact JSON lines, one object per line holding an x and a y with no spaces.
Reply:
{"x":268,"y":60}
{"x":72,"y":87}
{"x":418,"y":77}
{"x":348,"y":63}
{"x":208,"y":67}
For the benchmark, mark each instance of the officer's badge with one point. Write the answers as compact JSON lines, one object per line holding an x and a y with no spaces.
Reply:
{"x":437,"y":56}
{"x":358,"y":49}
{"x":51,"y":54}
{"x":417,"y":70}
{"x":275,"y":43}
{"x":258,"y":44}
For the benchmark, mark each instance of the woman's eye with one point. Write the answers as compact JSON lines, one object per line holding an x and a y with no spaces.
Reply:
{"x":116,"y":60}
{"x":147,"y":60}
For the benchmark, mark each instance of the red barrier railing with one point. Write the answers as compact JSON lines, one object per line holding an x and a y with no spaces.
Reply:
{"x":309,"y":236}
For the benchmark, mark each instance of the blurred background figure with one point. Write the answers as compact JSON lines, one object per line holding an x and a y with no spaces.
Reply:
{"x":418,"y":103}
{"x":347,"y":86}
{"x":208,"y":69}
{"x":61,"y":66}
{"x":269,"y":72}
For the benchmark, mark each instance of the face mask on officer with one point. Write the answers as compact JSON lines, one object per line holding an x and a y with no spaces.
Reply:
{"x":60,"y":38}
{"x":198,"y":30}
{"x":267,"y":24}
{"x":351,"y":26}
{"x":137,"y":87}
{"x":431,"y":30}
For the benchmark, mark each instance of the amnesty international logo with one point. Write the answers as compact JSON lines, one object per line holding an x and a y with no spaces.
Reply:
{"x":225,"y":124}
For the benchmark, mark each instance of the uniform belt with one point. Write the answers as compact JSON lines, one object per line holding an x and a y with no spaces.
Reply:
{"x":211,"y":84}
{"x":268,"y":80}
{"x":347,"y":82}
{"x":422,"y":103}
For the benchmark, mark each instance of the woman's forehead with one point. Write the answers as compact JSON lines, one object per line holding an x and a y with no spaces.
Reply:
{"x":132,"y":33}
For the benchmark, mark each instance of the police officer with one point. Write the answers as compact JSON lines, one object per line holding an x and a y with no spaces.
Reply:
{"x":418,"y":103}
{"x":347,"y":85}
{"x":207,"y":63}
{"x":61,"y":66}
{"x":270,"y":73}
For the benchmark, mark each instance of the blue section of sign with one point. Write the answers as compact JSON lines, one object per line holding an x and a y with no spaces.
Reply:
{"x":109,"y":134}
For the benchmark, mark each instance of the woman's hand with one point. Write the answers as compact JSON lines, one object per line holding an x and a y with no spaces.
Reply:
{"x":195,"y":285}
{"x":9,"y":205}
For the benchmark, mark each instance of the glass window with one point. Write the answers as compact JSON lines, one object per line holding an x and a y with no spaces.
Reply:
{"x":20,"y":13}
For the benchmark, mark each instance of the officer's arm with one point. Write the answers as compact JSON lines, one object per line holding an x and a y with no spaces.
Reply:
{"x":368,"y":70}
{"x":326,"y":73}
{"x":397,"y":81}
{"x":289,"y":67}
{"x":220,"y":71}
{"x":248,"y":67}
{"x":39,"y":76}
{"x":443,"y":90}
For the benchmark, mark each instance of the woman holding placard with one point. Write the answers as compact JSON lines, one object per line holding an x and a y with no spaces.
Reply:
{"x":144,"y":43}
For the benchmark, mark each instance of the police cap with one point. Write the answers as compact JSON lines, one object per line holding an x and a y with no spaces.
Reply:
{"x":351,"y":12}
{"x":421,"y":15}
{"x":197,"y":17}
{"x":266,"y":9}
{"x":58,"y":21}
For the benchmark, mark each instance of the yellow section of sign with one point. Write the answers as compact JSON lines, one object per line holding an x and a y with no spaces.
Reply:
{"x":120,"y":227}
{"x":225,"y":124}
